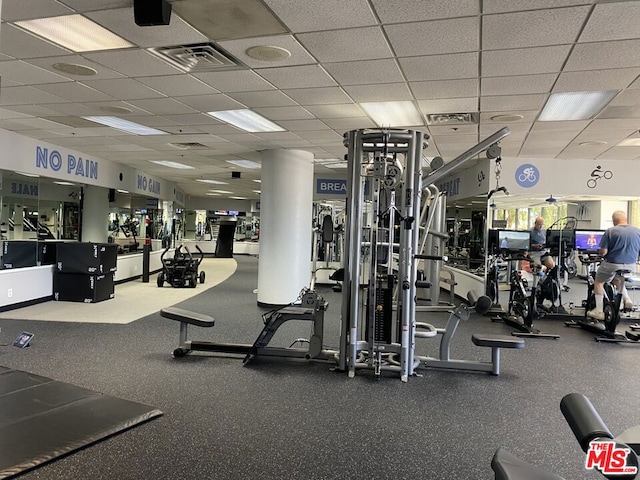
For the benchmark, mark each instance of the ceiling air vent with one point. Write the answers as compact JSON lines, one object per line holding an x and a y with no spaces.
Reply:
{"x":188,"y":146}
{"x":198,"y":57}
{"x":452,"y":118}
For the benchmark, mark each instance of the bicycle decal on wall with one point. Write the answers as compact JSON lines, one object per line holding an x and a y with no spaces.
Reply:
{"x":597,"y":174}
{"x":527,"y":175}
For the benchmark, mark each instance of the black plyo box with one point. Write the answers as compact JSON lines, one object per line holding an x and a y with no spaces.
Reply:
{"x":79,"y":287}
{"x":19,"y":253}
{"x":91,"y":258}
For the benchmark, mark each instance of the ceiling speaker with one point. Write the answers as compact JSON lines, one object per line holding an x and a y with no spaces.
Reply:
{"x":151,"y":12}
{"x":235,"y":174}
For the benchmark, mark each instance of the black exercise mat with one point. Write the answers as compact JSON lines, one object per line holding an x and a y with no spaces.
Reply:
{"x":42,"y":419}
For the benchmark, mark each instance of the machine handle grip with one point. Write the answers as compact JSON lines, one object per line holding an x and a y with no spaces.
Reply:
{"x":583,"y":419}
{"x":444,"y":258}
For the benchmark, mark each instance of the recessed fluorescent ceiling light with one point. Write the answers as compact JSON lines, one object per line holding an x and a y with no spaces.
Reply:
{"x":239,"y":198}
{"x":167,"y":163}
{"x":336,"y":165}
{"x":75,"y":32}
{"x":213,"y":194}
{"x":65,"y":183}
{"x":214,"y":182}
{"x":28,"y":174}
{"x":256,"y":191}
{"x":392,"y":114}
{"x":245,"y":163}
{"x":258,"y":181}
{"x":575,"y":105}
{"x":122,"y":191}
{"x":220,"y":191}
{"x":630,"y":142}
{"x":125,"y":125}
{"x":247,"y":120}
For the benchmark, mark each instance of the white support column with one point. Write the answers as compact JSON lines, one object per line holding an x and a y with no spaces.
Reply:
{"x":18,"y":222}
{"x":95,"y":214}
{"x":285,"y":225}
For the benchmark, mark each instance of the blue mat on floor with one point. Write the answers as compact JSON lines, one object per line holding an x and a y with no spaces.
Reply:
{"x":42,"y":419}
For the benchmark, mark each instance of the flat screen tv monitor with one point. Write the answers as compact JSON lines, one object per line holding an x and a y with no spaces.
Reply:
{"x":555,"y":236}
{"x":513,"y":240}
{"x":588,"y":240}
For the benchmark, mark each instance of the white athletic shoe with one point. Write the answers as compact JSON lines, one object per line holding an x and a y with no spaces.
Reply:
{"x":596,"y":314}
{"x":628,"y":305}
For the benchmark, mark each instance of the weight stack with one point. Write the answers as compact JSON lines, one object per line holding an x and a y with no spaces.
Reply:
{"x":84,"y":272}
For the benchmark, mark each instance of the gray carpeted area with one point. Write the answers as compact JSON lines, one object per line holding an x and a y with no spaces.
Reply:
{"x":279,"y":420}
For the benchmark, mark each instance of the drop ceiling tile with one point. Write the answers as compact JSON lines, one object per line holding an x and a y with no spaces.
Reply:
{"x":365,"y":43}
{"x":238,"y":48}
{"x":616,"y":79}
{"x":25,"y":73}
{"x":517,"y":85}
{"x":73,"y":109}
{"x":121,"y":22}
{"x":210,"y":103}
{"x":434,"y":37}
{"x":10,"y":83}
{"x":365,"y":72}
{"x":604,"y":55}
{"x":346,"y":110}
{"x":449,"y":105}
{"x":612,"y":21}
{"x":302,"y":76}
{"x":387,"y":92}
{"x":498,"y":6}
{"x":611,"y":124}
{"x":105,"y":106}
{"x":270,"y":98}
{"x":342,"y":125}
{"x":133,"y":63}
{"x":581,"y":152}
{"x":532,"y":29}
{"x":321,"y":135}
{"x":37,"y":123}
{"x":398,"y":11}
{"x":626,"y":98}
{"x":563,"y":137}
{"x":621,"y":153}
{"x":75,"y":92}
{"x":437,"y":130}
{"x":6,"y":113}
{"x":235,"y":81}
{"x":27,"y":95}
{"x":620,"y":111}
{"x":20,"y":44}
{"x":467,"y":87}
{"x":325,"y":15}
{"x":540,"y":151}
{"x":302,"y":125}
{"x":189,"y":119}
{"x":440,"y":67}
{"x":528,"y":118}
{"x":635,"y":84}
{"x":47,"y":63}
{"x":522,"y":61}
{"x":284,"y":113}
{"x":318,"y":96}
{"x":82,"y":6}
{"x":13,"y":10}
{"x":162,"y":106}
{"x":512,"y":102}
{"x":123,"y":88}
{"x":174,"y":85}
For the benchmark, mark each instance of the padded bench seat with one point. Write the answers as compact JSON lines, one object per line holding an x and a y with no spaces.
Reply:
{"x":499,"y":341}
{"x":187,"y":316}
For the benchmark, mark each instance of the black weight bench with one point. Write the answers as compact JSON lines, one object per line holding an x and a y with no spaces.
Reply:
{"x":496,"y":342}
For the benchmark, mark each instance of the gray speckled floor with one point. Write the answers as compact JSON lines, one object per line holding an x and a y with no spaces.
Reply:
{"x":279,"y":420}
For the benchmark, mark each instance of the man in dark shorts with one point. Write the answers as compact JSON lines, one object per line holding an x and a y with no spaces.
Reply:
{"x":539,"y":253}
{"x":619,"y":248}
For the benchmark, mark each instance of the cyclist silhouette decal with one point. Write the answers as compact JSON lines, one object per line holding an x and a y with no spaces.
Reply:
{"x":527,"y":175}
{"x":597,"y":174}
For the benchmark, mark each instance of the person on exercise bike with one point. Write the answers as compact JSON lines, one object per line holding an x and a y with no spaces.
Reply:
{"x":539,"y":253}
{"x":619,"y":249}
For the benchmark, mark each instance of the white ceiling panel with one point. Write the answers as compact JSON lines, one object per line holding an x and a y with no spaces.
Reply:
{"x":532,"y":29}
{"x":346,"y":110}
{"x":121,"y":22}
{"x":502,"y":63}
{"x":513,"y":102}
{"x":576,"y":126}
{"x":24,"y":73}
{"x":284,"y":113}
{"x":621,"y":153}
{"x":191,"y":119}
{"x":367,"y":43}
{"x":342,"y":125}
{"x":440,"y":67}
{"x":210,"y":103}
{"x":302,"y":125}
{"x":90,"y":5}
{"x":399,"y":11}
{"x":387,"y":92}
{"x":604,"y":55}
{"x":47,"y":63}
{"x":162,"y":106}
{"x":612,"y":21}
{"x":238,"y":48}
{"x":262,"y":99}
{"x":133,"y":63}
{"x":498,"y":6}
{"x":467,"y":87}
{"x":19,"y":44}
{"x":324,"y":15}
{"x":436,"y":130}
{"x":174,"y":85}
{"x":318,"y":96}
{"x":517,"y":85}
{"x":13,"y":10}
{"x":303,"y":76}
{"x":7,"y":114}
{"x":596,"y":80}
{"x":27,"y":95}
{"x":75,"y":92}
{"x":449,"y":105}
{"x":124,"y":88}
{"x":434,"y":37}
{"x":235,"y":81}
{"x":365,"y":72}
{"x":321,"y":135}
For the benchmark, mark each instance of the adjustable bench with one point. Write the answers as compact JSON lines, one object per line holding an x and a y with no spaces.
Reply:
{"x":496,"y":342}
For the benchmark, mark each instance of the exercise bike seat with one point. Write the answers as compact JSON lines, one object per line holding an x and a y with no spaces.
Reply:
{"x":509,"y":467}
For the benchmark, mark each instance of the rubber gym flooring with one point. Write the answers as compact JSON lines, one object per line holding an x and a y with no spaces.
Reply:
{"x":283,"y":420}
